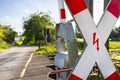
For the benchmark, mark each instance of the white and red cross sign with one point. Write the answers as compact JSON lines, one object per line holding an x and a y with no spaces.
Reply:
{"x":95,"y":37}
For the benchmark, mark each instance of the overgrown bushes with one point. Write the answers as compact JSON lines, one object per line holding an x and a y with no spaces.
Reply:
{"x":4,"y":45}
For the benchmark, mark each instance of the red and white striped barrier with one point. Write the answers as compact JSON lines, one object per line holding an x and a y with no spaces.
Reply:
{"x":95,"y":38}
{"x":62,"y":11}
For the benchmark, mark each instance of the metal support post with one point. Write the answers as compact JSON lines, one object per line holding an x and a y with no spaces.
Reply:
{"x":65,"y":33}
{"x":59,"y":39}
{"x":71,"y":43}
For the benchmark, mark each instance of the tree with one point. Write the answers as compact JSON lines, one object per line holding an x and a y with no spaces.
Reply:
{"x":115,"y":34}
{"x":118,"y":30}
{"x":1,"y":33}
{"x":34,"y":27}
{"x":7,"y":34}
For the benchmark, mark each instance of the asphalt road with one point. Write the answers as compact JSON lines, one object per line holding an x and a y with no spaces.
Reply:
{"x":19,"y":63}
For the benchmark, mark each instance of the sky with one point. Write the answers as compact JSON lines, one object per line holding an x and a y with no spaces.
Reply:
{"x":13,"y":11}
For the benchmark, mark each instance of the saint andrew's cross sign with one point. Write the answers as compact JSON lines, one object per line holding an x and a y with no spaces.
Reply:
{"x":95,"y":38}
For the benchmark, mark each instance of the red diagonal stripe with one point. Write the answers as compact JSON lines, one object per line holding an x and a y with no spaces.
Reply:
{"x":114,"y":8}
{"x":114,"y":76}
{"x":62,"y":13}
{"x":76,"y":6}
{"x":74,"y":77}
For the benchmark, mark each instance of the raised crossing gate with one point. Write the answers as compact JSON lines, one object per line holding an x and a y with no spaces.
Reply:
{"x":95,"y":37}
{"x":62,"y":12}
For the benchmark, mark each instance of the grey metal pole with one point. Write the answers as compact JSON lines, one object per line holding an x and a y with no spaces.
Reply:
{"x":106,"y":3}
{"x":90,"y":5}
{"x":71,"y":44}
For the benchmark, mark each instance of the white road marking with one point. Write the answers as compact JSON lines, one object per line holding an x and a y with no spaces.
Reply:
{"x":25,"y":67}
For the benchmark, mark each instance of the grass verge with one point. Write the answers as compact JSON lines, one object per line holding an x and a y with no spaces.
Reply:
{"x":46,"y":50}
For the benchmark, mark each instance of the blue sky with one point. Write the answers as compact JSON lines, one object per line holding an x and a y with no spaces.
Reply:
{"x":13,"y":11}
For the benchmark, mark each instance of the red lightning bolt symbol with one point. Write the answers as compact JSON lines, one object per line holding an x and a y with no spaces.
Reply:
{"x":95,"y":41}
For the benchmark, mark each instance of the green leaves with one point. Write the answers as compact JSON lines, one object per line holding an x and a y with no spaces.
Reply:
{"x":115,"y":34}
{"x":7,"y":34}
{"x":34,"y":26}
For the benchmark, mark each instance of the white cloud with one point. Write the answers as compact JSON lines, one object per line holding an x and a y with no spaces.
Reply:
{"x":26,"y":11}
{"x":7,"y":17}
{"x":14,"y":22}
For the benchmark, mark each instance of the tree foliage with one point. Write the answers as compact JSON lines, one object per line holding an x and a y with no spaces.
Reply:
{"x":34,"y":26}
{"x":115,"y":34}
{"x":7,"y":34}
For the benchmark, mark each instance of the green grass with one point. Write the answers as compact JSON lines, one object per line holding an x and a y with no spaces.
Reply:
{"x":19,"y":42}
{"x":46,"y":50}
{"x":114,"y":44}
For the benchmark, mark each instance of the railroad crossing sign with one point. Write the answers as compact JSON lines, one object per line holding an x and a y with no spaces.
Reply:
{"x":95,"y":38}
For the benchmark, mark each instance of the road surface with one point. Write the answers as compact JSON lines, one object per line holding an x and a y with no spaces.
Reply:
{"x":19,"y":63}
